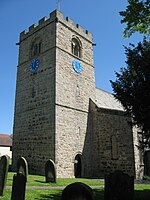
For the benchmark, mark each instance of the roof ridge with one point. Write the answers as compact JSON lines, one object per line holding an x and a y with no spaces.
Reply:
{"x":104,"y":90}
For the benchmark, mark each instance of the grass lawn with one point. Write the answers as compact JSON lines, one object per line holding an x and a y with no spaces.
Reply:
{"x":142,"y":192}
{"x":36,"y":194}
{"x":40,"y":181}
{"x":48,"y":194}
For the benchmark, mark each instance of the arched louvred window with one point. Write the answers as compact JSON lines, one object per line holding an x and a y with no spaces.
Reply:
{"x":76,"y":47}
{"x":36,"y":47}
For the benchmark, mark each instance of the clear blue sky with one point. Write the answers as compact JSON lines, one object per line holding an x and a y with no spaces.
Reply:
{"x":101,"y":17}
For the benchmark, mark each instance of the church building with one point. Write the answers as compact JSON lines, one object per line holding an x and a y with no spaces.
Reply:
{"x":59,"y":113}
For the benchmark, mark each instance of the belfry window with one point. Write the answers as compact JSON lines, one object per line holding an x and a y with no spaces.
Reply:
{"x":76,"y":47}
{"x":36,"y":47}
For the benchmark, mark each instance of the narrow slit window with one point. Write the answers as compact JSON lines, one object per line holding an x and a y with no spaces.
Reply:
{"x":77,"y":91}
{"x":114,"y":148}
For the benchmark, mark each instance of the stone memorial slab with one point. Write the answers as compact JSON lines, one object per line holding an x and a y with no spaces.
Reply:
{"x":19,"y":187}
{"x":147,"y":163}
{"x":4,"y":165}
{"x":50,"y":172}
{"x":22,"y":166}
{"x":77,"y":191}
{"x":119,"y":186}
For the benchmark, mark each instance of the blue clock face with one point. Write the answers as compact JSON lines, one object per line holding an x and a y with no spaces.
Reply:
{"x":34,"y":65}
{"x":77,"y":66}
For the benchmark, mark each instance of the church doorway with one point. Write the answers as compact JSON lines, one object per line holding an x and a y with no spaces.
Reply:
{"x":77,"y":166}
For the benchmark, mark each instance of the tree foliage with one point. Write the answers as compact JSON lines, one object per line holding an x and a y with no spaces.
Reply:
{"x":137,"y":17}
{"x":132,"y":85}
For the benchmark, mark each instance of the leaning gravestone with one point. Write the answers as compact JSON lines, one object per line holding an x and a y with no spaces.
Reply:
{"x":77,"y":191}
{"x":19,"y":187}
{"x":4,"y":165}
{"x":119,"y":186}
{"x":50,"y":172}
{"x":22,"y":166}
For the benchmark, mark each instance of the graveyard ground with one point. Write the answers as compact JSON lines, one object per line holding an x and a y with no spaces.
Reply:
{"x":39,"y":190}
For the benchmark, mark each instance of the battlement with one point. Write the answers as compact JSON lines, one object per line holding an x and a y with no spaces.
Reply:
{"x":59,"y":17}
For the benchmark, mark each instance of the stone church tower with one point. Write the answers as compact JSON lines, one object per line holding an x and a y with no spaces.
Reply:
{"x":59,"y":114}
{"x":55,"y":82}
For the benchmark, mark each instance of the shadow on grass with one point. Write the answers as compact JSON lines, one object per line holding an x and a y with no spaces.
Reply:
{"x":142,"y":194}
{"x":98,"y":194}
{"x":56,"y":196}
{"x":39,"y":181}
{"x":138,"y":194}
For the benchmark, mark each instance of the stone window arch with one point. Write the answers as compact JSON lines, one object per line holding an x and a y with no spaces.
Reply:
{"x":36,"y":47}
{"x":76,"y":47}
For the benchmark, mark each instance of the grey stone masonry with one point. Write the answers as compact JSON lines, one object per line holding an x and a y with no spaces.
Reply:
{"x":54,"y":117}
{"x":48,"y":113}
{"x":34,"y":121}
{"x":72,"y":109}
{"x":112,"y":143}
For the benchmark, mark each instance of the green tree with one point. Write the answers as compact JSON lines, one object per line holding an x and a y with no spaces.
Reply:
{"x":132,"y":86}
{"x":136,"y":17}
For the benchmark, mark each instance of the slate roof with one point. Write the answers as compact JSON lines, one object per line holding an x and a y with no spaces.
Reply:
{"x":106,"y":100}
{"x":5,"y":140}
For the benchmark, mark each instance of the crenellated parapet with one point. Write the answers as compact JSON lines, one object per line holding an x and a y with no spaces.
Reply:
{"x":58,"y":17}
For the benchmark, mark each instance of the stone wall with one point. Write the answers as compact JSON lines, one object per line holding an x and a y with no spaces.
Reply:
{"x":53,"y":115}
{"x":112,"y":143}
{"x":67,"y":79}
{"x":70,"y":138}
{"x":139,"y":164}
{"x":5,"y":151}
{"x":73,"y":92}
{"x":50,"y":117}
{"x":34,"y":121}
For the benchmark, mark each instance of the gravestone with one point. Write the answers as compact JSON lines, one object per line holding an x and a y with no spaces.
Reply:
{"x":119,"y":186}
{"x":50,"y":172}
{"x":147,"y":163}
{"x":19,"y":187}
{"x":77,"y":191}
{"x":4,"y":165}
{"x":22,"y":166}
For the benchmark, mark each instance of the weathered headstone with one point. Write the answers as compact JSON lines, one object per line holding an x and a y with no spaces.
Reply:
{"x":119,"y":186}
{"x":147,"y":163}
{"x":77,"y":191}
{"x":50,"y":171}
{"x":19,"y":187}
{"x":22,"y":166}
{"x":4,"y":165}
